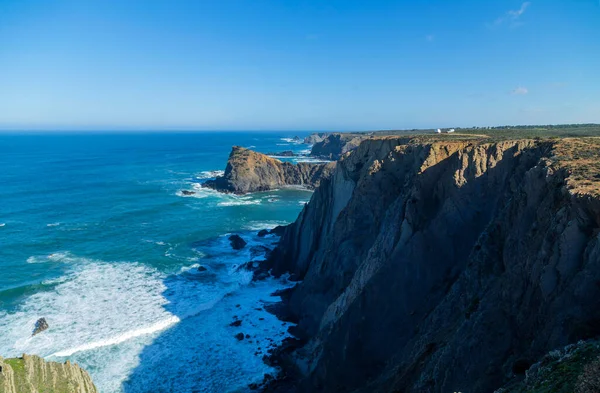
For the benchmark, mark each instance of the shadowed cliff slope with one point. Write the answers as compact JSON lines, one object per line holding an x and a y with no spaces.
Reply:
{"x":249,"y":171}
{"x":31,"y":374}
{"x":440,"y":266}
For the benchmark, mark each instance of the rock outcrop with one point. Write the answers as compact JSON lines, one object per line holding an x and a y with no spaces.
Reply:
{"x":316,"y":138}
{"x":236,"y":242}
{"x":31,"y":374}
{"x":333,"y":146}
{"x":249,"y":171}
{"x":432,"y":266}
{"x":40,"y":326}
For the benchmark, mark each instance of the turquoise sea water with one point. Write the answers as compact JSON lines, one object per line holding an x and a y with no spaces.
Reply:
{"x":96,"y":237}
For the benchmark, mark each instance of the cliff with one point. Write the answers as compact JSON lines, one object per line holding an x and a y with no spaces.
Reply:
{"x":249,"y":171}
{"x":440,"y":266}
{"x":31,"y":374}
{"x":316,"y":137}
{"x":333,"y":146}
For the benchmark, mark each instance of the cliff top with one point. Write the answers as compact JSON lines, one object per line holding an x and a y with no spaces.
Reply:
{"x":32,"y":374}
{"x":580,"y":156}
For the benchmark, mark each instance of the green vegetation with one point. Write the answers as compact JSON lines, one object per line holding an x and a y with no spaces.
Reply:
{"x":18,"y":365}
{"x":573,"y":369}
{"x":506,"y":132}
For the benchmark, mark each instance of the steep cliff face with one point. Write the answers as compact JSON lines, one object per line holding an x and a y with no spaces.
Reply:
{"x":31,"y":374}
{"x":443,"y":266}
{"x":249,"y":171}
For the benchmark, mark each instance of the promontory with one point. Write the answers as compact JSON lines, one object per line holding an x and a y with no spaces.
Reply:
{"x":250,"y":171}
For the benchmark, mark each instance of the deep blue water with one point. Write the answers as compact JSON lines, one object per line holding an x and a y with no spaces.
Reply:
{"x":96,"y":237}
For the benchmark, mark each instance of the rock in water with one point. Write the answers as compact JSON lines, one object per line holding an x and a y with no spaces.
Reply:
{"x":263,"y":232}
{"x":40,"y":326}
{"x":202,"y":268}
{"x":186,"y":192}
{"x":237,"y":243}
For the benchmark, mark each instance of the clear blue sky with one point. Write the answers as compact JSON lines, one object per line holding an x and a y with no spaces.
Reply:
{"x":333,"y":65}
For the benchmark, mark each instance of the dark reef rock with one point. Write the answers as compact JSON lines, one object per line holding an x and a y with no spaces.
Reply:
{"x":236,"y":241}
{"x":440,"y":266}
{"x":186,"y":192}
{"x":236,"y":323}
{"x":239,"y":336}
{"x":249,"y":171}
{"x":40,"y":325}
{"x":278,"y":230}
{"x":263,"y":232}
{"x":202,"y":268}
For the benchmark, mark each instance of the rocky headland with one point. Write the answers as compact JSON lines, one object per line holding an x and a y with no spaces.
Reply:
{"x":31,"y":374}
{"x":249,"y":171}
{"x":441,"y":265}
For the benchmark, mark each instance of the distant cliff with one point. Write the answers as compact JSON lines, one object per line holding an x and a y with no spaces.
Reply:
{"x":441,"y":266}
{"x":31,"y":374}
{"x":333,"y":146}
{"x":316,"y":137}
{"x":249,"y":171}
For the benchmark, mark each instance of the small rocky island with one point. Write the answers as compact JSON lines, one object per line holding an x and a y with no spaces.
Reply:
{"x":249,"y":171}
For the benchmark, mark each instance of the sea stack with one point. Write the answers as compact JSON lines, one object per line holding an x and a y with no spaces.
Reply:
{"x":249,"y":171}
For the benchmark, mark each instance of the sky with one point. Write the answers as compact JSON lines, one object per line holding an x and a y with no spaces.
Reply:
{"x":297,"y":65}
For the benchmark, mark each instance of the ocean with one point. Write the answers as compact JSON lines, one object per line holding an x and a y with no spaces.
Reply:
{"x":97,"y":237}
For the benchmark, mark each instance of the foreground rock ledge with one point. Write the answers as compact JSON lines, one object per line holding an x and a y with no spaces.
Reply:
{"x":32,"y":374}
{"x":249,"y":171}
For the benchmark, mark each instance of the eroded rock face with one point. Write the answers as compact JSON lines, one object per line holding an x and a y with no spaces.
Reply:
{"x":31,"y":374}
{"x":441,"y":266}
{"x":249,"y":171}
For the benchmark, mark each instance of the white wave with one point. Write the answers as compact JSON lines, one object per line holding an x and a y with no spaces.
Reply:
{"x":268,"y":224}
{"x":239,"y":202}
{"x":2,"y":224}
{"x":54,"y":224}
{"x":121,"y":320}
{"x":210,"y":174}
{"x":292,"y":140}
{"x":54,"y":257}
{"x":251,"y":147}
{"x":157,"y":327}
{"x":302,"y":203}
